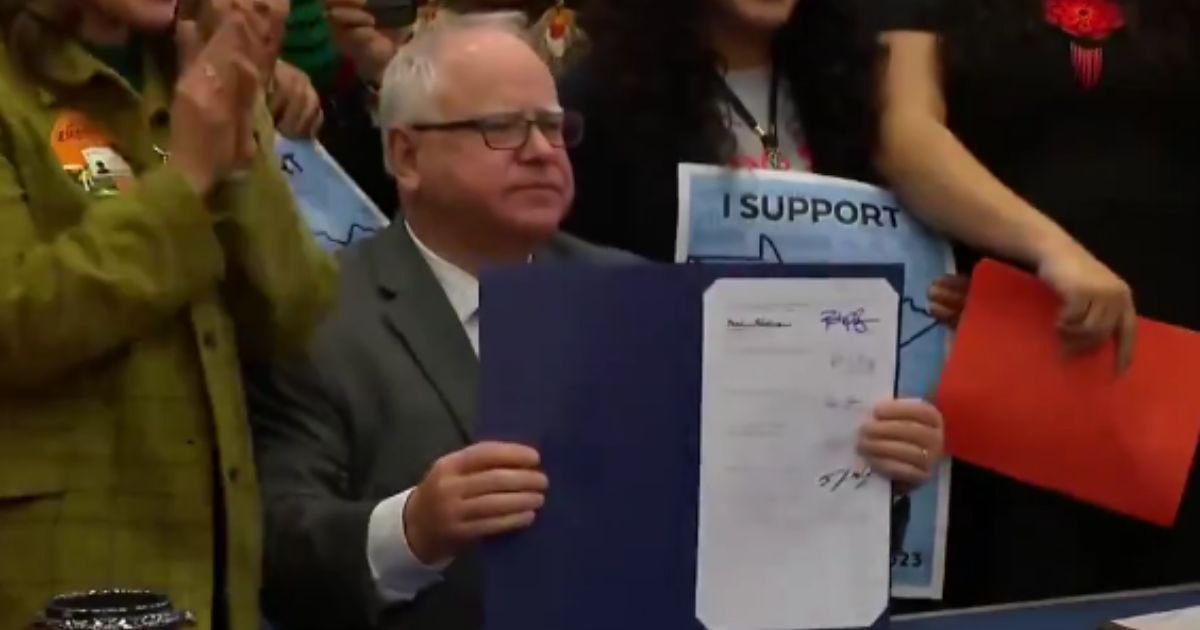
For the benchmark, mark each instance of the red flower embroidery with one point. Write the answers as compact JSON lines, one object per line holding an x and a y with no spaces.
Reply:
{"x":1092,"y":20}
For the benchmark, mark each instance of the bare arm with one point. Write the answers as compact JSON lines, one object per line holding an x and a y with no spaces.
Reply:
{"x":937,"y":176}
{"x":949,"y":189}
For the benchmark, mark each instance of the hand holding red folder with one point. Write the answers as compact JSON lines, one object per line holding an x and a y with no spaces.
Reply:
{"x":1015,"y":403}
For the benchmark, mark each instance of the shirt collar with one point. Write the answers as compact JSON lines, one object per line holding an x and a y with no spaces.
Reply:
{"x":462,"y":288}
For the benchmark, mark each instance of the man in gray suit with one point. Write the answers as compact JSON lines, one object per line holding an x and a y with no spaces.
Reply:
{"x":374,"y":493}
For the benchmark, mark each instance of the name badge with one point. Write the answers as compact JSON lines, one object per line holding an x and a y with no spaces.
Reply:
{"x":88,"y":156}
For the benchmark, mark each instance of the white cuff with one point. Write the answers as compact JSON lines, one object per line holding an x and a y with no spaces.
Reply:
{"x":399,"y":575}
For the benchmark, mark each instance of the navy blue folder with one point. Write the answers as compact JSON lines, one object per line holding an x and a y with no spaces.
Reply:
{"x":600,"y":370}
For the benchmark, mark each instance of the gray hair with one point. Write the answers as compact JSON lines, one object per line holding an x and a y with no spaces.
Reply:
{"x":410,"y":82}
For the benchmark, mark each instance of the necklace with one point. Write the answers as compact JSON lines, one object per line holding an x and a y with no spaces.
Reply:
{"x":769,"y":137}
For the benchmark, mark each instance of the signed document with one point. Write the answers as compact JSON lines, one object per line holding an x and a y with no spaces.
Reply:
{"x":777,"y":217}
{"x":793,"y":528}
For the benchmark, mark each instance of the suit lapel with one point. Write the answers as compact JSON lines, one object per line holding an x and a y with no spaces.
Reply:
{"x":418,"y":312}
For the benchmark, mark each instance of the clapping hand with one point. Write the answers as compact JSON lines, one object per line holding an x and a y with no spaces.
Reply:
{"x":357,"y":36}
{"x":213,"y":102}
{"x":224,"y":58}
{"x":294,"y":103}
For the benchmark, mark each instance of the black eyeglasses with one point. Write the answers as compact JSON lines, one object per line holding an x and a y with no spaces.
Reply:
{"x":510,"y":131}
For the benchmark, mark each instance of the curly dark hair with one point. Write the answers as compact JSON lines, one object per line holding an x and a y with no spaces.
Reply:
{"x":1162,"y":31}
{"x":659,"y":71}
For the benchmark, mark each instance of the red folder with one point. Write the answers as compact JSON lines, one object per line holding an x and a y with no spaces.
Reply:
{"x":1016,"y":403}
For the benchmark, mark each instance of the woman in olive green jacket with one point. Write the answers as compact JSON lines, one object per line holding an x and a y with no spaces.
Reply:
{"x":147,"y":243}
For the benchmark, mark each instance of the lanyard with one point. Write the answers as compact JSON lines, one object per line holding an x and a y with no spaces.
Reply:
{"x":769,"y":136}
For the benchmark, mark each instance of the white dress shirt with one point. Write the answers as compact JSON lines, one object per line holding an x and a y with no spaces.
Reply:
{"x":399,"y":575}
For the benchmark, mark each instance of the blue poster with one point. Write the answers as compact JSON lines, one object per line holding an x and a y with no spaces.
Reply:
{"x":754,"y":216}
{"x":337,"y":211}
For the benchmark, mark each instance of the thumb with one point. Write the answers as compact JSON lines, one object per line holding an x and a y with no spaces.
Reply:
{"x":188,"y":42}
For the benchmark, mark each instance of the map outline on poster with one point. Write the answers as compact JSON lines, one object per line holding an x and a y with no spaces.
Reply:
{"x":336,"y":210}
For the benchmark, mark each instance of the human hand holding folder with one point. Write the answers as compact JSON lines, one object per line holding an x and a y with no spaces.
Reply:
{"x":903,"y":441}
{"x":486,"y":489}
{"x":1016,"y":403}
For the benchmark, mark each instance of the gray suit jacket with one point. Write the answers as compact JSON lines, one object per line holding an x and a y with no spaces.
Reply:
{"x":388,"y":387}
